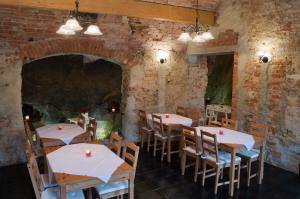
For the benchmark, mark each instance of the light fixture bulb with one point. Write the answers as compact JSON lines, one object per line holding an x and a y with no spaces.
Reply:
{"x":64,"y":30}
{"x":207,"y":36}
{"x":73,"y":25}
{"x":198,"y":39}
{"x":93,"y":30}
{"x":185,"y":37}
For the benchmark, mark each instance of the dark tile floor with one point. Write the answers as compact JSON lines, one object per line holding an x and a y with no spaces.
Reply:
{"x":156,"y":180}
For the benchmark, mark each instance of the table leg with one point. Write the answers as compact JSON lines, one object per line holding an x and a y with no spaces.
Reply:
{"x":131,"y":186}
{"x":232,"y":172}
{"x":169,"y":143}
{"x":261,"y":164}
{"x":63,"y":192}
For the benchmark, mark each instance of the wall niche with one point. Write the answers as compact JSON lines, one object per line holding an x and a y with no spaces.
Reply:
{"x":59,"y":87}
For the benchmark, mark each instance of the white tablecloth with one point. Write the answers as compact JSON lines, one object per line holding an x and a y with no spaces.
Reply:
{"x":172,"y":119}
{"x":66,"y":134}
{"x":71,"y":159}
{"x":229,"y":136}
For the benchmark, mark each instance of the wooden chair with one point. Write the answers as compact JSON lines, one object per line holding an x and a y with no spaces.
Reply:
{"x":32,"y":140}
{"x":250,"y":156}
{"x":43,"y":190}
{"x":81,"y":121}
{"x":92,"y":128}
{"x":190,"y":147}
{"x":115,"y":143}
{"x":216,"y":159}
{"x":144,"y":129}
{"x":130,"y":155}
{"x":181,"y":111}
{"x":230,"y":124}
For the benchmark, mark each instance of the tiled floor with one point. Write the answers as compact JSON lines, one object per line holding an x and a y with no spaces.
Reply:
{"x":155,"y":180}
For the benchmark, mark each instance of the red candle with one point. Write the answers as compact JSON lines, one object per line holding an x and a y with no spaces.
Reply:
{"x":88,"y":153}
{"x":221,"y":132}
{"x":167,"y":115}
{"x":59,"y":128}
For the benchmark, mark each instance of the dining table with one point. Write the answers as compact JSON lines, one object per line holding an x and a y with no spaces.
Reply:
{"x":173,"y":123}
{"x":61,"y":134}
{"x":234,"y":141}
{"x":72,"y":168}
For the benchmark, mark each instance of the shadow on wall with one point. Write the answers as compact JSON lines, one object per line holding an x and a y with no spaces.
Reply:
{"x":59,"y":87}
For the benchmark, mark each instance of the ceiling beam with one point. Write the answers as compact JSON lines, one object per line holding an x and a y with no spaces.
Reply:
{"x":130,"y":8}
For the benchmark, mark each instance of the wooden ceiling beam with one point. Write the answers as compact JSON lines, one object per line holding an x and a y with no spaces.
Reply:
{"x":130,"y":8}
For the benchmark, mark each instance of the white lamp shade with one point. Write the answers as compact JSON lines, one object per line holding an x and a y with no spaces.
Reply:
{"x":93,"y":30}
{"x":63,"y":30}
{"x":207,"y":36}
{"x":73,"y":25}
{"x":198,"y":38}
{"x":185,"y":37}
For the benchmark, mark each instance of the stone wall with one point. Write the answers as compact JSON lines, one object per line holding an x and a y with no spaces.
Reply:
{"x":267,"y":93}
{"x":135,"y":44}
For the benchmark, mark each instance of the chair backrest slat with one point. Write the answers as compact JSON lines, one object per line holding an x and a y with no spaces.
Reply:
{"x":209,"y":144}
{"x":181,"y":111}
{"x":158,"y":125}
{"x":92,"y":128}
{"x":259,"y":130}
{"x":115,"y":143}
{"x":131,"y":154}
{"x":230,"y":123}
{"x":190,"y":138}
{"x":35,"y":176}
{"x":142,"y":119}
{"x":81,"y":121}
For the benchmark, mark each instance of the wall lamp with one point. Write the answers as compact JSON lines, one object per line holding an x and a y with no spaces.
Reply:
{"x":163,"y":56}
{"x":264,"y":57}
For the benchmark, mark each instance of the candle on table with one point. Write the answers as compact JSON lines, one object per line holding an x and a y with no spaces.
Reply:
{"x":221,"y":132}
{"x":88,"y":153}
{"x":60,"y":127}
{"x":167,"y":115}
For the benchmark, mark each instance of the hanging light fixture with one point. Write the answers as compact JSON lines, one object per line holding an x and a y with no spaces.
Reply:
{"x":72,"y":25}
{"x":200,"y":33}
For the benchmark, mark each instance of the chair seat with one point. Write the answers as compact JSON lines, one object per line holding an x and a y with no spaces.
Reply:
{"x":191,"y":150}
{"x":224,"y":159}
{"x":252,"y":154}
{"x":111,"y":187}
{"x":54,"y":193}
{"x":45,"y":181}
{"x":147,"y":130}
{"x":165,"y":137}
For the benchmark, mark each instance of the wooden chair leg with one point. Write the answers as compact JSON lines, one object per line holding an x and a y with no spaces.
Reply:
{"x":183,"y":163}
{"x":148,"y":142}
{"x":239,"y":175}
{"x":204,"y":172}
{"x":222,"y":174}
{"x":142,"y":138}
{"x":163,"y":150}
{"x":196,"y":169}
{"x":155,"y":145}
{"x":217,"y":180}
{"x":249,"y":164}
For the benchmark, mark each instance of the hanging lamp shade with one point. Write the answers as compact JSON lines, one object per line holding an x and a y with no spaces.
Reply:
{"x":185,"y":37}
{"x":64,"y":30}
{"x":207,"y":36}
{"x":93,"y":30}
{"x":73,"y":25}
{"x":198,"y":38}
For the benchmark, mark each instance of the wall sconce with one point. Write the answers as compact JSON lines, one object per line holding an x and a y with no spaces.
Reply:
{"x":264,"y":57}
{"x":163,"y":56}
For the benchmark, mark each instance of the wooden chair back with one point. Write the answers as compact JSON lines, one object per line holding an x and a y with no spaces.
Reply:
{"x":181,"y":111}
{"x":210,"y":144}
{"x":92,"y":128}
{"x":259,"y":130}
{"x":131,"y":154}
{"x":35,"y":176}
{"x":190,"y":138}
{"x":115,"y":143}
{"x":81,"y":121}
{"x":230,"y":123}
{"x":142,"y":119}
{"x":157,"y":125}
{"x":28,"y":132}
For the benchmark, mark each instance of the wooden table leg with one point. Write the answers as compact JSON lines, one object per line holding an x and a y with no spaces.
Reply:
{"x":63,"y":192}
{"x":261,"y":164}
{"x":231,"y":174}
{"x":169,"y":143}
{"x":131,"y":186}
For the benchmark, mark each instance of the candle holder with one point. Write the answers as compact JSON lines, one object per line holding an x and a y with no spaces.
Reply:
{"x":221,"y":132}
{"x":88,"y":153}
{"x":59,"y":127}
{"x":167,"y":115}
